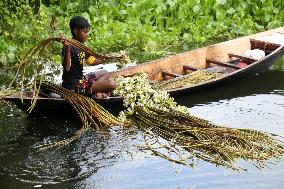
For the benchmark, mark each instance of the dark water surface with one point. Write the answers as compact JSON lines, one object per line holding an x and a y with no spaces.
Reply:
{"x":109,"y":160}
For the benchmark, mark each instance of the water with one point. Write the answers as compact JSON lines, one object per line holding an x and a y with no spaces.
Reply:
{"x":109,"y":160}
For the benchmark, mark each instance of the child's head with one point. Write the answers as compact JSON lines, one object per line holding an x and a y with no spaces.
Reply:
{"x":79,"y":27}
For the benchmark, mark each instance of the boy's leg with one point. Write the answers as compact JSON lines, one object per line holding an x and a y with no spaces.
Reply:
{"x":103,"y":86}
{"x":102,"y":75}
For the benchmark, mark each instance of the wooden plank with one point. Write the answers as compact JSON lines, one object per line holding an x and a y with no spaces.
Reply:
{"x":186,"y":67}
{"x":268,"y":47}
{"x":242,"y":57}
{"x":168,"y":74}
{"x":224,"y":64}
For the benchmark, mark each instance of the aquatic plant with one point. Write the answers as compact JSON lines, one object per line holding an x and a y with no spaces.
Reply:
{"x":137,"y":91}
{"x":189,"y":137}
{"x":188,"y":80}
{"x":92,"y":115}
{"x":145,"y":29}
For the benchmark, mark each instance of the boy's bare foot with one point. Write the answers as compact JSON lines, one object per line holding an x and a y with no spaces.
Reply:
{"x":104,"y":95}
{"x":101,"y":95}
{"x":98,"y":95}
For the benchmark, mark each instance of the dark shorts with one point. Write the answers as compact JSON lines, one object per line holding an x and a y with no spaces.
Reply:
{"x":84,"y":85}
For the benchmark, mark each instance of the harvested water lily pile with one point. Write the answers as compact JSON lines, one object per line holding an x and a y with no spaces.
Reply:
{"x":172,"y":133}
{"x":137,"y":91}
{"x":188,"y":80}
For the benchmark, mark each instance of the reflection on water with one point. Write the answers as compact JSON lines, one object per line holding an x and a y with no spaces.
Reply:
{"x":263,"y":112}
{"x":266,"y":83}
{"x":75,"y":162}
{"x":102,"y":160}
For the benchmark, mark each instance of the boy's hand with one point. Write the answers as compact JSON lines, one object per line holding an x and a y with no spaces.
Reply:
{"x":100,"y":60}
{"x":123,"y":58}
{"x":63,"y":40}
{"x":94,"y":61}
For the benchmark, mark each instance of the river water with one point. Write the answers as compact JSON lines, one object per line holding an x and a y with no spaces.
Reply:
{"x":109,"y":160}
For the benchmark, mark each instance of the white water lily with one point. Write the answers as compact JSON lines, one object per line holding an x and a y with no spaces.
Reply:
{"x":137,"y":91}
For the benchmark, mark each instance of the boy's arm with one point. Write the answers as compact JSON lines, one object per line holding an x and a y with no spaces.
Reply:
{"x":67,"y":58}
{"x":66,"y":54}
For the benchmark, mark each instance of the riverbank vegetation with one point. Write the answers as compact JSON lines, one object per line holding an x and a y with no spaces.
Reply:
{"x":145,"y":29}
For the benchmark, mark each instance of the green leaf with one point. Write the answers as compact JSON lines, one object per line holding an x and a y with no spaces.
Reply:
{"x":231,"y":11}
{"x":221,"y":2}
{"x":92,"y":10}
{"x":11,"y":56}
{"x":3,"y":58}
{"x":196,"y":8}
{"x":122,"y":12}
{"x":87,"y":16}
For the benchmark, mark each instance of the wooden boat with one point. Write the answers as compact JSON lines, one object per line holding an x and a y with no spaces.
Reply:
{"x":227,"y":55}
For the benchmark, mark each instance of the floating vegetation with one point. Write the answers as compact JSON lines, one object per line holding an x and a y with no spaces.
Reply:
{"x":203,"y":140}
{"x":169,"y":130}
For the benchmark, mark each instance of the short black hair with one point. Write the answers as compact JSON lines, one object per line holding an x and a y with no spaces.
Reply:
{"x":78,"y":22}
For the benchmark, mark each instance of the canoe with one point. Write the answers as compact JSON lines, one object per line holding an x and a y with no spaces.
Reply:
{"x":232,"y":57}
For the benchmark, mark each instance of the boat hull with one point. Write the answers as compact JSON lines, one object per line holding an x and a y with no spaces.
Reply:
{"x":59,"y":107}
{"x":250,"y":71}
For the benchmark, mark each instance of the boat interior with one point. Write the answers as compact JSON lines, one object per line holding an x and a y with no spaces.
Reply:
{"x":224,"y":57}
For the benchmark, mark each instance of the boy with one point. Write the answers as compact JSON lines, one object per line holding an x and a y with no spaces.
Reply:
{"x":98,"y":83}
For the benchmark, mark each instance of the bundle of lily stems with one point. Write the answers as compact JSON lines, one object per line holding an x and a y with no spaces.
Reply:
{"x":169,"y":130}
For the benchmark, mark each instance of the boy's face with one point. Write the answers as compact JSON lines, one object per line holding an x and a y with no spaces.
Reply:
{"x":81,"y":34}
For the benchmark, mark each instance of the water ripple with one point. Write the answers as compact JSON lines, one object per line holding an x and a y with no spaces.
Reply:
{"x":75,"y":162}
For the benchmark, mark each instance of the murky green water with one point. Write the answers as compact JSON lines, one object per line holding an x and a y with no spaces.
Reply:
{"x":103,"y":160}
